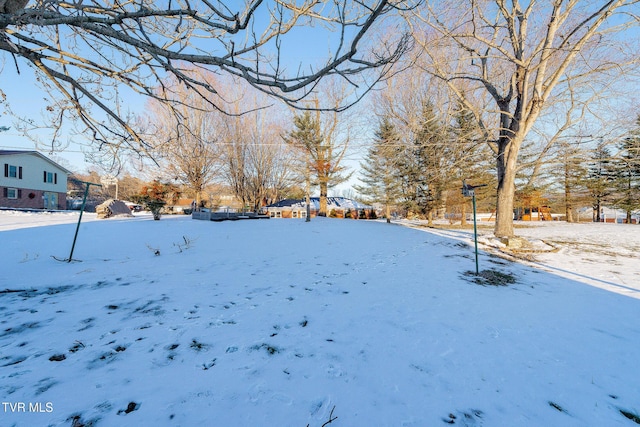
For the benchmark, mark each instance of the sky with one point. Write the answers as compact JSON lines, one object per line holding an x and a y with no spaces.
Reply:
{"x":279,"y":322}
{"x":26,"y":99}
{"x":305,"y":46}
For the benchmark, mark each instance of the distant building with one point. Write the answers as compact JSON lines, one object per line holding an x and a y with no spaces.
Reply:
{"x":30,"y":180}
{"x":338,"y":207}
{"x":181,"y":206}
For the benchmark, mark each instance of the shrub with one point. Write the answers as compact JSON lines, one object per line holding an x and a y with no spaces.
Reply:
{"x":153,"y":198}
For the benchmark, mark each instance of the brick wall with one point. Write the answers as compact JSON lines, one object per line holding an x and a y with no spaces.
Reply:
{"x":30,"y":199}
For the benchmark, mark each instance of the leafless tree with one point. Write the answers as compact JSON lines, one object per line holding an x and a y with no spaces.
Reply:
{"x":91,"y":55}
{"x":256,"y":163}
{"x":184,"y":138}
{"x":269,"y":166}
{"x":519,"y":55}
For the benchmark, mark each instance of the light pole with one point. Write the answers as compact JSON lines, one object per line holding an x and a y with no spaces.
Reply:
{"x":469,"y":190}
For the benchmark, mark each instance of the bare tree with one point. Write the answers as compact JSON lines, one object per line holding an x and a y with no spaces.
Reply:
{"x":90,"y":55}
{"x":270,"y":171}
{"x":184,"y":138}
{"x":520,"y":55}
{"x":257,"y":165}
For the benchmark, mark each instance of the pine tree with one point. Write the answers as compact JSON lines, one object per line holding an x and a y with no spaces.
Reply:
{"x":599,"y":179}
{"x":627,"y":173}
{"x":469,"y":156}
{"x":431,"y":152}
{"x":574,"y":175}
{"x":379,"y":171}
{"x":323,"y":159}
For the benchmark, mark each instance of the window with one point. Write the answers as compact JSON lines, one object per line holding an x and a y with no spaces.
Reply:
{"x":294,"y":214}
{"x":11,"y":171}
{"x":50,"y":177}
{"x":12,"y":193}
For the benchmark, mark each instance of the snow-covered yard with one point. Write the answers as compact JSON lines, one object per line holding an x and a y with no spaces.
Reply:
{"x":285,"y":323}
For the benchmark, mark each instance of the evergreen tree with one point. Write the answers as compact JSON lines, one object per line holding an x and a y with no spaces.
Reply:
{"x":469,"y":156}
{"x":379,"y":171}
{"x":323,"y":159}
{"x":627,"y":173}
{"x":574,"y":175}
{"x":599,"y":179}
{"x":431,"y":151}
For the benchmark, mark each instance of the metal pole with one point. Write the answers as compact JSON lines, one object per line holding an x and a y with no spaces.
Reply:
{"x":84,"y":201}
{"x":308,"y":185}
{"x":475,"y":231}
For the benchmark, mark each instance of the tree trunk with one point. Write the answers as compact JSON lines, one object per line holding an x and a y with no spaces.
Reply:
{"x":568,"y":202}
{"x":569,"y":214}
{"x":388,"y":213}
{"x":323,"y":199}
{"x":504,"y":211}
{"x":506,"y":167}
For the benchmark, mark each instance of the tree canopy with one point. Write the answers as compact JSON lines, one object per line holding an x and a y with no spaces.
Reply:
{"x":89,"y":55}
{"x":508,"y":61}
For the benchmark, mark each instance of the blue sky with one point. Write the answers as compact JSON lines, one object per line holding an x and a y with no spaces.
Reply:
{"x":27,"y":99}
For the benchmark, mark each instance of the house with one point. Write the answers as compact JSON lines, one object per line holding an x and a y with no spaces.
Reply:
{"x":30,"y":180}
{"x":338,"y":207}
{"x":180,"y":206}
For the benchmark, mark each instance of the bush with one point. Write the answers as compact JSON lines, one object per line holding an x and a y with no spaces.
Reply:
{"x":153,"y":198}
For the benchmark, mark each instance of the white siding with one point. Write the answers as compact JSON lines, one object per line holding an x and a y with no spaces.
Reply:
{"x":33,"y":169}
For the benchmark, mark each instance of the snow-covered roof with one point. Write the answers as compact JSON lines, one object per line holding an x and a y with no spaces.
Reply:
{"x":332,"y":203}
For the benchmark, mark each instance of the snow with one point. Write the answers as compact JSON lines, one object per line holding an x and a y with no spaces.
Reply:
{"x":274,"y":322}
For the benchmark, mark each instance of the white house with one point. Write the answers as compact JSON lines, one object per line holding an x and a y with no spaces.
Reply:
{"x":30,"y":180}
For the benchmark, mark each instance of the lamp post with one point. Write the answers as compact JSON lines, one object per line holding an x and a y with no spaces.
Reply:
{"x":469,"y":190}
